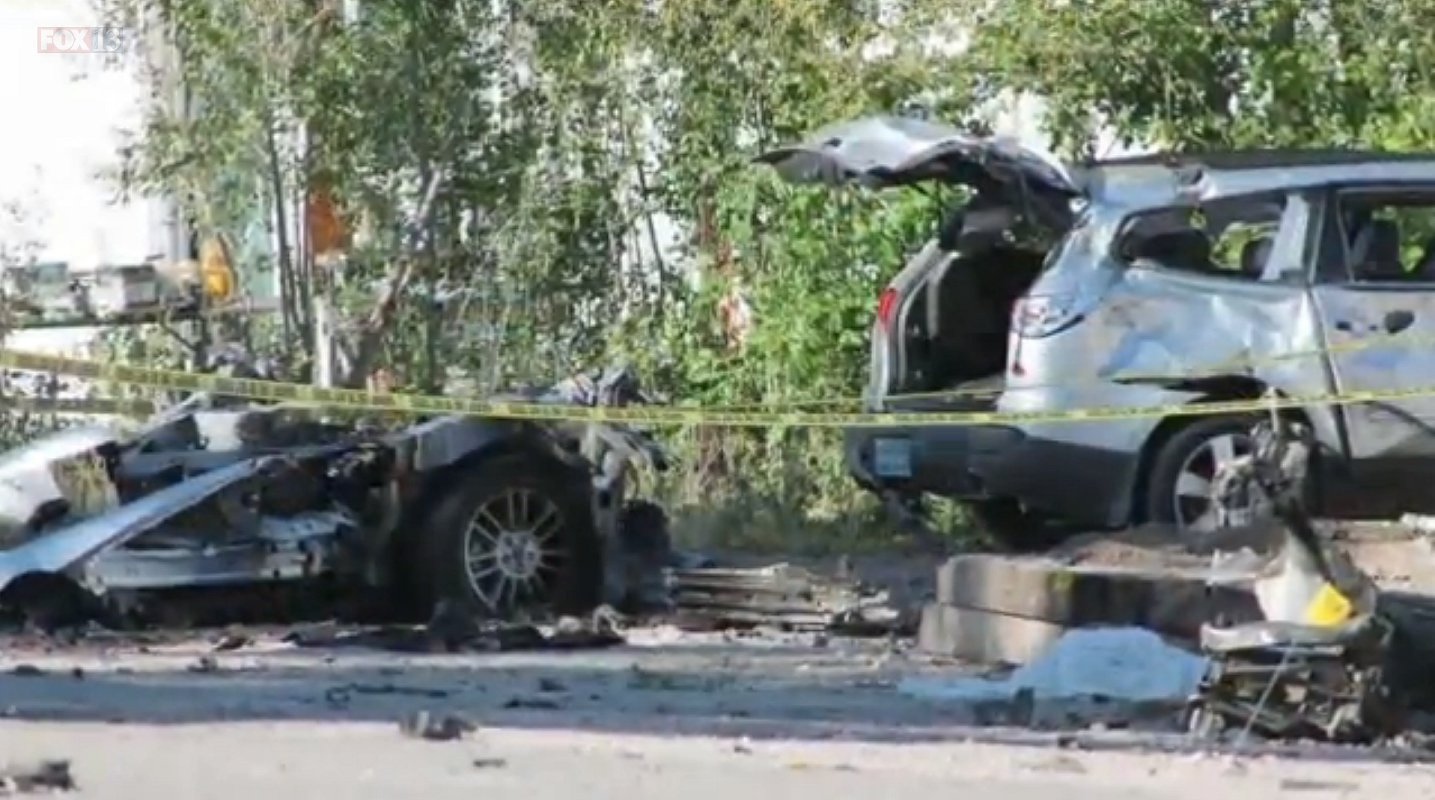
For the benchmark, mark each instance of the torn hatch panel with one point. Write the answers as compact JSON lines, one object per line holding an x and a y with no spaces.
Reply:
{"x":72,"y":545}
{"x":888,"y":151}
{"x":44,"y":481}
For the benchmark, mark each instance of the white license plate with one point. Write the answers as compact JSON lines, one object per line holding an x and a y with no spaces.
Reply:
{"x":892,"y":458}
{"x":143,"y":294}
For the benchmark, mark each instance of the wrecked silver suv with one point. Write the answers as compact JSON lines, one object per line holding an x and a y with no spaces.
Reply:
{"x":1054,"y":285}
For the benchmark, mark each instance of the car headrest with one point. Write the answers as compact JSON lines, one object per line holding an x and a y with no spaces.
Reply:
{"x":1255,"y":255}
{"x":1377,"y":250}
{"x":1425,"y":268}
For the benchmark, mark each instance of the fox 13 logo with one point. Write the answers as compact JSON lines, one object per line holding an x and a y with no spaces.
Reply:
{"x":81,"y":40}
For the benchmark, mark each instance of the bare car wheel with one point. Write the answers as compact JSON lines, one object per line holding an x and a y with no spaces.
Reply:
{"x":1178,"y":491}
{"x":516,"y":533}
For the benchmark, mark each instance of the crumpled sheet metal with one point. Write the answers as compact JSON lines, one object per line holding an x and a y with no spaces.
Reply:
{"x":32,"y":475}
{"x":286,"y":548}
{"x":1167,"y":324}
{"x":781,"y":595}
{"x":73,"y":545}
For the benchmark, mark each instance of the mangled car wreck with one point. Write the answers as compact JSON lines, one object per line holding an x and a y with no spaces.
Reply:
{"x":493,"y":516}
{"x":1052,"y":286}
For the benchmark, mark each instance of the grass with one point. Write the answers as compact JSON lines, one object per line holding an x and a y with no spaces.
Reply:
{"x":781,"y":496}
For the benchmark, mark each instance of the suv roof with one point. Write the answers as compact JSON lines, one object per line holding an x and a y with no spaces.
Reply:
{"x":1159,"y":178}
{"x":1263,"y":159}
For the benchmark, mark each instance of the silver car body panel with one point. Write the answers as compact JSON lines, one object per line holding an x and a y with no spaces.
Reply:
{"x":38,"y":473}
{"x":887,"y":151}
{"x":1145,"y":320}
{"x":1404,"y":427}
{"x":284,"y":549}
{"x":63,"y":549}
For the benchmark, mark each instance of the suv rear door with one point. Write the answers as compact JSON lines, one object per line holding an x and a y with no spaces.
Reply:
{"x":1376,"y":279}
{"x":1008,"y":183}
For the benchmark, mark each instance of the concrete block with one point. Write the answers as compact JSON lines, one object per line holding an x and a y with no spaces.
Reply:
{"x":1171,"y":602}
{"x":983,"y":636}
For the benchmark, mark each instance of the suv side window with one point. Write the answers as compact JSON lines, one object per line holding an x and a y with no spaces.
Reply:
{"x":1231,"y":237}
{"x":1386,"y":236}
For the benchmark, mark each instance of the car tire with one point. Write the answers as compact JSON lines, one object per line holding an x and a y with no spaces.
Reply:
{"x":1182,"y":453}
{"x":496,"y":499}
{"x":1010,"y":527}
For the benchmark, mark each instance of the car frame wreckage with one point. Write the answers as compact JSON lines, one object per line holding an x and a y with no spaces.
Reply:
{"x":1324,"y":662}
{"x":497,"y":517}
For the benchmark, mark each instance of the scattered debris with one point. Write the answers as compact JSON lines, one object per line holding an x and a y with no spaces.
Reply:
{"x":454,"y":634}
{"x":490,"y":763}
{"x":341,"y":695}
{"x":784,"y":596}
{"x":435,"y":727}
{"x":1303,"y":785}
{"x":232,"y":641}
{"x":1318,"y":665}
{"x":1059,"y":763}
{"x":532,"y":703}
{"x":41,"y":777}
{"x":1422,"y":523}
{"x":205,"y":664}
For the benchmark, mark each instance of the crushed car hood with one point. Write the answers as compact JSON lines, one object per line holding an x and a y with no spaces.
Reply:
{"x":889,"y":151}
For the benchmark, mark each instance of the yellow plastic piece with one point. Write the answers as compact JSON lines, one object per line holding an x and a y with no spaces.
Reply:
{"x":216,"y":275}
{"x":1328,"y":608}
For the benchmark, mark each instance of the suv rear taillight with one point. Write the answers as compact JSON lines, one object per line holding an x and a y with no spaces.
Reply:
{"x":887,"y":308}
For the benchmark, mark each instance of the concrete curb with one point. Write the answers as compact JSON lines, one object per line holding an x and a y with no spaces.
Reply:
{"x":994,"y":608}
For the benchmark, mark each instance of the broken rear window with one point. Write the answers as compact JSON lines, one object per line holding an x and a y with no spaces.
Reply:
{"x":1230,"y":237}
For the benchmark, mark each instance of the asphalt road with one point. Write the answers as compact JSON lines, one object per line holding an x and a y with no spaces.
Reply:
{"x":230,"y":761}
{"x":669,"y":715}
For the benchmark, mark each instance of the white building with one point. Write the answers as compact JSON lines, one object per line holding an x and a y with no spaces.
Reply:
{"x":62,"y":136}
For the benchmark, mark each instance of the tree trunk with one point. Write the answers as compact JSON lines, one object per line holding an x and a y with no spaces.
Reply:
{"x":376,"y":327}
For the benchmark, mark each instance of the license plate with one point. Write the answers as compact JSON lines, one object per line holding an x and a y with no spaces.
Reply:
{"x":144,"y":294}
{"x":892,"y":458}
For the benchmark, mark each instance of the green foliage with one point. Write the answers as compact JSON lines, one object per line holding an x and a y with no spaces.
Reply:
{"x":1193,"y":74}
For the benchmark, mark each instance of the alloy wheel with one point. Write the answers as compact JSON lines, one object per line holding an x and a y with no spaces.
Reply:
{"x":1195,"y":504}
{"x":513,"y":549}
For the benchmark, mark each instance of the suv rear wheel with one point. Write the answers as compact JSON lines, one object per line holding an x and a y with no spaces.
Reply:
{"x":1178,"y":487}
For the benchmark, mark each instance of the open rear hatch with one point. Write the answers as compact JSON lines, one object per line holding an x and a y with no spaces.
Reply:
{"x":943,"y":321}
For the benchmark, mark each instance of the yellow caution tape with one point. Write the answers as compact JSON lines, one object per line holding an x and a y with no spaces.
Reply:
{"x":79,"y":405}
{"x":305,"y":395}
{"x":1232,"y":366}
{"x":1328,"y":608}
